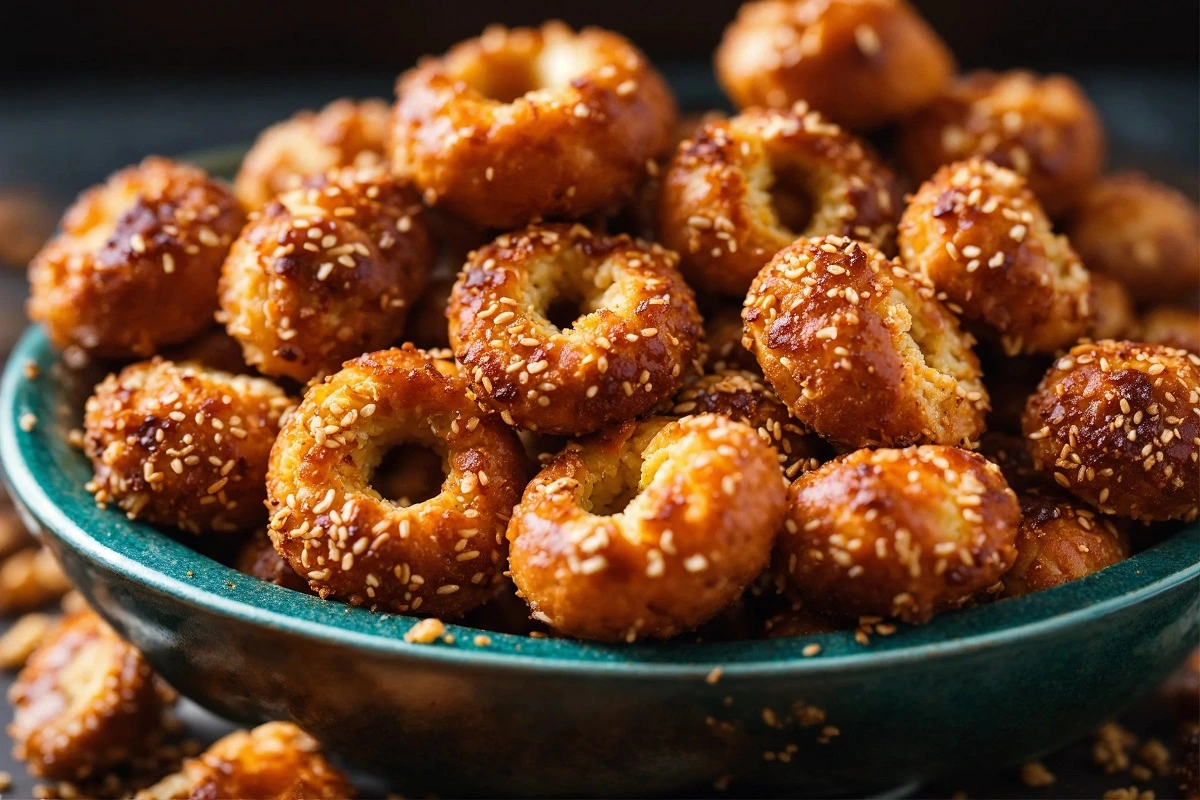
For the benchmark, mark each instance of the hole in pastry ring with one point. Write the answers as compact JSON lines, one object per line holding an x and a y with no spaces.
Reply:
{"x":717,"y":209}
{"x":440,"y":557}
{"x":860,"y":350}
{"x":531,"y":122}
{"x":699,"y":530}
{"x":638,"y":339}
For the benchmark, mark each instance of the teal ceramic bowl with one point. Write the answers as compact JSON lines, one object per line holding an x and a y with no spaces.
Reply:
{"x":985,"y":687}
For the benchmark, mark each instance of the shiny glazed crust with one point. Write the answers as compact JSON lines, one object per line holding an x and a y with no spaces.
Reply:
{"x":745,"y":398}
{"x":981,"y":238}
{"x":152,"y":237}
{"x":1117,"y":424}
{"x":859,"y":349}
{"x":902,"y":533}
{"x":1141,"y":233}
{"x":183,"y":445}
{"x":326,"y":273}
{"x":1043,"y":128}
{"x":739,"y":189}
{"x":441,"y":557}
{"x":647,"y":529}
{"x":531,"y":123}
{"x":276,"y":761}
{"x":84,"y":702}
{"x":344,"y":133}
{"x":638,"y":338}
{"x":861,"y":62}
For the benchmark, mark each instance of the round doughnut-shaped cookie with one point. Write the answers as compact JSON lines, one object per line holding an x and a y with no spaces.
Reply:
{"x":151,"y":238}
{"x":344,"y":133}
{"x":440,"y":557}
{"x":1141,"y":233}
{"x":647,"y":529}
{"x":860,"y":350}
{"x":85,"y":701}
{"x":183,"y":445}
{"x":1117,"y":424}
{"x":1043,"y":128}
{"x":325,"y":273}
{"x":636,"y":338}
{"x":903,"y":533}
{"x":1114,"y":316}
{"x":1060,"y":541}
{"x":745,"y":398}
{"x":275,"y":761}
{"x":531,"y":123}
{"x":723,"y":342}
{"x":980,"y":237}
{"x":1173,"y":326}
{"x":739,"y":190}
{"x":863,"y":63}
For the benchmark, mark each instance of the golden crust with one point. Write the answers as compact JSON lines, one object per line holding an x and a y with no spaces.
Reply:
{"x":85,"y":701}
{"x":647,"y":529}
{"x":638,"y":338}
{"x":1173,"y":326}
{"x":152,"y":237}
{"x":739,"y":190}
{"x":529,"y":123}
{"x":1114,"y":316}
{"x":276,"y":761}
{"x":344,"y":133}
{"x":183,"y":445}
{"x":863,"y":63}
{"x":743,"y":397}
{"x":980,"y":237}
{"x":859,"y":349}
{"x":1043,"y":128}
{"x":901,"y":533}
{"x":1141,"y":233}
{"x":1117,"y":424}
{"x":1061,"y":541}
{"x":326,"y":273}
{"x":259,"y":559}
{"x":440,"y":557}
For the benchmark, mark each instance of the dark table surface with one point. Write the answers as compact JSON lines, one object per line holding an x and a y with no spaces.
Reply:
{"x":61,"y":136}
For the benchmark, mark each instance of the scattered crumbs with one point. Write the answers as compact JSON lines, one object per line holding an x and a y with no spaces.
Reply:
{"x":1155,"y":755}
{"x":714,"y":676}
{"x":1035,"y":774}
{"x":28,"y":421}
{"x":1110,"y":749}
{"x":75,"y":438}
{"x":427,"y":631}
{"x":482,"y":640}
{"x":5,"y":781}
{"x":810,"y":650}
{"x":1128,"y":793}
{"x":190,"y":574}
{"x":449,"y":638}
{"x":31,"y":370}
{"x":828,"y":733}
{"x":230,"y":585}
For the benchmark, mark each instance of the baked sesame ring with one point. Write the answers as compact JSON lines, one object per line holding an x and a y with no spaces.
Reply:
{"x":183,"y":445}
{"x":903,"y":533}
{"x":860,"y":350}
{"x":440,"y":557}
{"x":1173,"y":326}
{"x":980,"y":237}
{"x":326,"y":272}
{"x":647,"y":529}
{"x":531,"y":123}
{"x":1043,"y":128}
{"x":86,"y":701}
{"x":344,"y":133}
{"x":745,"y":398}
{"x":863,"y":63}
{"x":152,"y":237}
{"x":637,"y":339}
{"x":1117,"y":424}
{"x":1141,"y":233}
{"x":741,"y":189}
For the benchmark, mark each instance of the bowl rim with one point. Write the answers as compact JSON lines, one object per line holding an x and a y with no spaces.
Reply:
{"x":34,"y":474}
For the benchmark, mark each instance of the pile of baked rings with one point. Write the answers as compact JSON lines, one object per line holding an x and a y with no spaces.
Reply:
{"x":672,"y":369}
